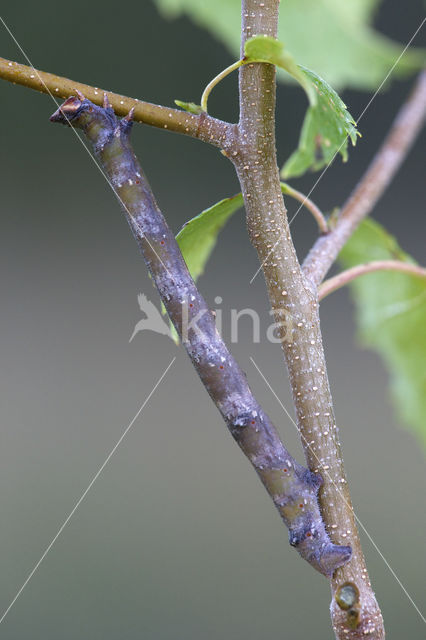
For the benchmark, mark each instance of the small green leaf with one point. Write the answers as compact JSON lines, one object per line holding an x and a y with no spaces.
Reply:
{"x":267,"y":49}
{"x":191,"y":107}
{"x":391,"y":313}
{"x":327,"y":127}
{"x":198,"y":236}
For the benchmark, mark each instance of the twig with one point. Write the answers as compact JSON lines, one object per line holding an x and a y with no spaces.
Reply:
{"x":293,"y":488}
{"x":201,"y":126}
{"x":380,"y":173}
{"x":307,"y":202}
{"x":343,"y":278}
{"x":291,"y":293}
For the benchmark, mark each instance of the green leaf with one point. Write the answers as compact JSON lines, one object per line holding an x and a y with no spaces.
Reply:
{"x":266,"y":49}
{"x":326,"y":129}
{"x":191,"y":107}
{"x":333,"y":37}
{"x":198,"y":237}
{"x":391,"y":314}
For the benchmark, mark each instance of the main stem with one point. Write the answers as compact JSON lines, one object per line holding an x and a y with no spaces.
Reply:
{"x":294,"y":300}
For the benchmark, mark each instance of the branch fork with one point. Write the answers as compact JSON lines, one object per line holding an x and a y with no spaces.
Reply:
{"x":314,"y":503}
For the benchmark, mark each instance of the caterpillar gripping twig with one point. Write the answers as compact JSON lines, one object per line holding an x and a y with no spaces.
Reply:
{"x":293,"y":489}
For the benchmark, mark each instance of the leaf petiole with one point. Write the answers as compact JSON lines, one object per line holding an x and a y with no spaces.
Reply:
{"x":220,"y":76}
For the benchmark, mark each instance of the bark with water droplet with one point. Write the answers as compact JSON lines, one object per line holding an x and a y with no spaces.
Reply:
{"x":294,"y":298}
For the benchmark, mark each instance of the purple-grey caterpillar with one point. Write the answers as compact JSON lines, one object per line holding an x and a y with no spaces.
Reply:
{"x":293,"y":488}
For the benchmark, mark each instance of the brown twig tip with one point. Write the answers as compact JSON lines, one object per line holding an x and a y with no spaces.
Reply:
{"x":126,"y":123}
{"x":80,"y":95}
{"x":106,"y":103}
{"x":130,"y":115}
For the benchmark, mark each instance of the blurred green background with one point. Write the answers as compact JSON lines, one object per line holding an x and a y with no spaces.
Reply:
{"x":177,"y":538}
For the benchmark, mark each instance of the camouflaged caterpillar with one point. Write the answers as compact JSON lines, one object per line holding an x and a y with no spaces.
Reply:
{"x":293,"y":488}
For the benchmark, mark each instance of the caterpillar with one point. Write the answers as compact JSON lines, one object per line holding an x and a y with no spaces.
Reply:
{"x":293,"y":489}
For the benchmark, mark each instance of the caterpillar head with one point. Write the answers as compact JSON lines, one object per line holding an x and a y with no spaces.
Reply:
{"x":100,"y":124}
{"x":79,"y":112}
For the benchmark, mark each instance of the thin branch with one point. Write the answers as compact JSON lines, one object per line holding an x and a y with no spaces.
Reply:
{"x":378,"y":176}
{"x":293,"y":488}
{"x":307,"y":202}
{"x":345,"y":277}
{"x":292,"y":295}
{"x":201,"y":126}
